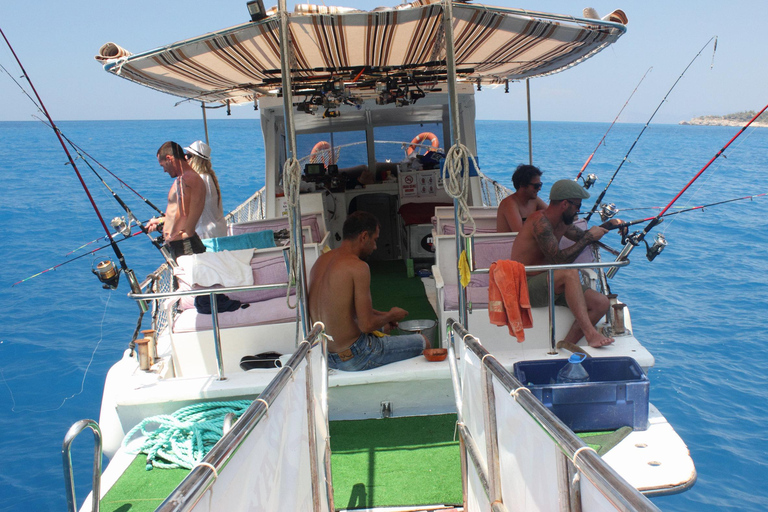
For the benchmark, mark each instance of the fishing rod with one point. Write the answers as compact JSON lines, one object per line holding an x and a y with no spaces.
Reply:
{"x":108,"y":276}
{"x":589,"y":181}
{"x":609,"y":226}
{"x":73,"y":259}
{"x":82,"y":153}
{"x":635,"y":238}
{"x":602,"y":194}
{"x":118,"y":222}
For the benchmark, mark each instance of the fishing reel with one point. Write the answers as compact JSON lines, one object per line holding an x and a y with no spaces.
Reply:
{"x":607,"y":211}
{"x":589,"y":181}
{"x":659,"y":243}
{"x":119,"y":224}
{"x":107,"y":273}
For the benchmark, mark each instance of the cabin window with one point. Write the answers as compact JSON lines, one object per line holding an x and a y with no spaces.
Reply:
{"x":345,"y":149}
{"x":402,"y":136}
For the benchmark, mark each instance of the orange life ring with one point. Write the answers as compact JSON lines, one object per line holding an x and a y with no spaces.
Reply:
{"x":431,"y":137}
{"x":321,"y":152}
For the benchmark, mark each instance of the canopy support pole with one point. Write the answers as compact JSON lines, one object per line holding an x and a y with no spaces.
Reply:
{"x":290,"y":135}
{"x":528,"y":101}
{"x":453,"y":97}
{"x":205,"y":122}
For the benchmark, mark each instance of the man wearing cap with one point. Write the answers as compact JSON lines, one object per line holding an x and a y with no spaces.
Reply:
{"x":515,"y":208}
{"x":538,"y":244}
{"x":185,"y":203}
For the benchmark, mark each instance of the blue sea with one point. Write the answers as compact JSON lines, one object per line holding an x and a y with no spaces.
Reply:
{"x":701,"y":307}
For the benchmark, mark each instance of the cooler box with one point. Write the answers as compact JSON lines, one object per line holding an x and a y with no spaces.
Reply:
{"x":616,"y":395}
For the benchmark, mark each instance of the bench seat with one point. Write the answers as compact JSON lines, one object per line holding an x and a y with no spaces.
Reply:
{"x":270,"y":311}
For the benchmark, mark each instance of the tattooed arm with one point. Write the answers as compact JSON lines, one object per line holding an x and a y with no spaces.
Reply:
{"x":550,"y":245}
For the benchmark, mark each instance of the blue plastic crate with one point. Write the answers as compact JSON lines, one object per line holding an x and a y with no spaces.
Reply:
{"x":616,"y":395}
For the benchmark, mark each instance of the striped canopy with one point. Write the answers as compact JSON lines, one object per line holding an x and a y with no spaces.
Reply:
{"x":493,"y":45}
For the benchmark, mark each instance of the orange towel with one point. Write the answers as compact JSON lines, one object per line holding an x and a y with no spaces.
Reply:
{"x":508,"y":302}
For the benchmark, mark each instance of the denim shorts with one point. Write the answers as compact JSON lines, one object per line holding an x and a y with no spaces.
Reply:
{"x":370,"y":351}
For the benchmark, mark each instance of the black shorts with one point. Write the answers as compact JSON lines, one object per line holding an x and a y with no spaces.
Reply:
{"x":191,"y":245}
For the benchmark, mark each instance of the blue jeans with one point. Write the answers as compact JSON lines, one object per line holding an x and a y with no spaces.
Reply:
{"x":370,"y":351}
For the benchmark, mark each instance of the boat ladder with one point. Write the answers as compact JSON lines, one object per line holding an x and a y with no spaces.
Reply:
{"x":66,"y":456}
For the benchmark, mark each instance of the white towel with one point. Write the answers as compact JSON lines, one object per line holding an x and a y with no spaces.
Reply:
{"x":227,"y":268}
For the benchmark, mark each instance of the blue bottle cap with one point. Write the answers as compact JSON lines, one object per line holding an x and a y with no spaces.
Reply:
{"x":577,"y":358}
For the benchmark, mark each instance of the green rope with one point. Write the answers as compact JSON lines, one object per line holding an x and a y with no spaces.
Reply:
{"x":182,"y":439}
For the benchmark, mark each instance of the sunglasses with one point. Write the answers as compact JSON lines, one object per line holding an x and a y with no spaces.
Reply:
{"x":577,"y":205}
{"x":536,"y":186}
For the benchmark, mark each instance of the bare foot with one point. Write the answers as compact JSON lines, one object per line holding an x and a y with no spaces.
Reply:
{"x":597,"y":340}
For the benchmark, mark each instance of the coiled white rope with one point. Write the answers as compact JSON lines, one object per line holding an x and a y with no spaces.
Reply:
{"x":182,"y":439}
{"x":456,"y":183}
{"x":291,"y":189}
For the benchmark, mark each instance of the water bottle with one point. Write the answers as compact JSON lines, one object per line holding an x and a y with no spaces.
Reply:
{"x":573,"y":371}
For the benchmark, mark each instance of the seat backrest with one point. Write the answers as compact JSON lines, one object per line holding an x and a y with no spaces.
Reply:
{"x":484,"y":216}
{"x":310,"y":221}
{"x":268,"y":267}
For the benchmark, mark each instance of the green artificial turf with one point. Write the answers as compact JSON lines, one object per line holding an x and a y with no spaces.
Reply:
{"x":391,"y":286}
{"x":395,"y":462}
{"x":139,"y":490}
{"x":601,"y":442}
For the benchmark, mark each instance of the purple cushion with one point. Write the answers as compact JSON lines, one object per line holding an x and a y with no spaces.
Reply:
{"x":477,"y":295}
{"x":267,"y":312}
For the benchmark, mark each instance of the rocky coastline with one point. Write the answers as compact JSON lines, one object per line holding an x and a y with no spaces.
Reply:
{"x":737,"y":119}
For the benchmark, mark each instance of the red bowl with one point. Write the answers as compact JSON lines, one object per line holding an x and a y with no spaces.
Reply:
{"x":436,"y":354}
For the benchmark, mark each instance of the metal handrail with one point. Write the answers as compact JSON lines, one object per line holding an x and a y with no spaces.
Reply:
{"x":550,"y":269}
{"x":202,"y":476}
{"x":66,"y":455}
{"x":205,"y":291}
{"x":621,"y":494}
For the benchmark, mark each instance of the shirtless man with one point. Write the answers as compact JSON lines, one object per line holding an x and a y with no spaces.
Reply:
{"x":515,"y":208}
{"x":538,"y":244}
{"x":186,"y":200}
{"x":340,"y":297}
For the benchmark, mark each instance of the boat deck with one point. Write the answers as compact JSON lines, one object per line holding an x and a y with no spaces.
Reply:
{"x":393,"y":462}
{"x":391,"y":286}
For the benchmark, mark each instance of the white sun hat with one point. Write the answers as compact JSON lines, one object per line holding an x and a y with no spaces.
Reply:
{"x":199,"y":148}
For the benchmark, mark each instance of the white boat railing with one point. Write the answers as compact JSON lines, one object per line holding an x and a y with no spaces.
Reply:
{"x":491,"y":190}
{"x":159,"y":282}
{"x":254,"y":208}
{"x":523,"y":457}
{"x":275,"y":461}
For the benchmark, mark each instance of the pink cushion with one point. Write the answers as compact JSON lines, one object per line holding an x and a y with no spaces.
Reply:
{"x":267,"y":312}
{"x":267,"y":269}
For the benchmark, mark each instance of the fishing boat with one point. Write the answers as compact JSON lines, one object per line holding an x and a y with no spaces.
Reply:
{"x":373,"y":111}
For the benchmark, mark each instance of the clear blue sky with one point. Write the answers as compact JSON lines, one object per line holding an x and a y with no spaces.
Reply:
{"x":56,"y":42}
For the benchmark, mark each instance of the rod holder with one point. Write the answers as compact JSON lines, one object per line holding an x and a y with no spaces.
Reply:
{"x":618,"y":319}
{"x":613,"y":299}
{"x":142,"y":347}
{"x":151,"y":335}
